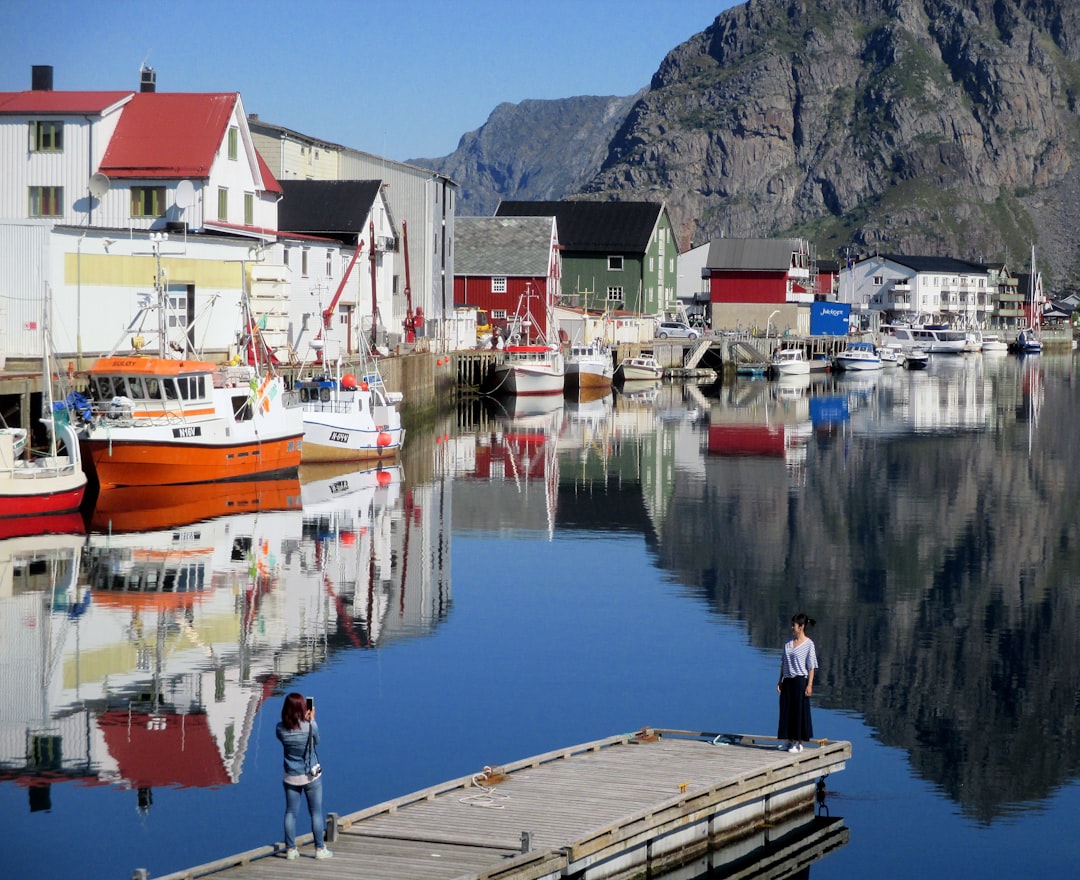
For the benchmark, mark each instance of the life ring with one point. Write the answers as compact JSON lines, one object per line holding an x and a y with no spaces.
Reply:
{"x":324,"y":395}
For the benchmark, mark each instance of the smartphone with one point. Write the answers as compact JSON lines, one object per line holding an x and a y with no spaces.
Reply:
{"x":310,"y":703}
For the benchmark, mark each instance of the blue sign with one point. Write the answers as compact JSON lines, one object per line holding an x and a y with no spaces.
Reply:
{"x":829,"y":318}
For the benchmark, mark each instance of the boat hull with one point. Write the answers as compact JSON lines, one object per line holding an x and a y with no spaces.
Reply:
{"x":28,"y":496}
{"x":510,"y":379}
{"x":329,"y":442}
{"x":584,"y":376}
{"x":144,"y":462}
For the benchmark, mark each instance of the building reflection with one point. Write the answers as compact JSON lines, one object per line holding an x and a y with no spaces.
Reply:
{"x":139,"y":654}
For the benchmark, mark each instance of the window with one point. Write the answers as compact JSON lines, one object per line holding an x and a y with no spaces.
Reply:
{"x":879,"y":280}
{"x":234,"y":140}
{"x":498,"y":284}
{"x":46,"y":136}
{"x":304,"y":262}
{"x":285,"y":256}
{"x":498,"y":314}
{"x":249,"y":209}
{"x":615,"y":293}
{"x":147,"y":201}
{"x":222,"y":203}
{"x":46,"y":201}
{"x":329,"y":263}
{"x":615,"y":264}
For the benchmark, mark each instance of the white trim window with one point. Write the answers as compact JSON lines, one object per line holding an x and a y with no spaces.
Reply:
{"x":615,"y":263}
{"x":498,"y":284}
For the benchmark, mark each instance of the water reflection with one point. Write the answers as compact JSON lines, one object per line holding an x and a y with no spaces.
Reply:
{"x":152,"y":641}
{"x":925,"y":519}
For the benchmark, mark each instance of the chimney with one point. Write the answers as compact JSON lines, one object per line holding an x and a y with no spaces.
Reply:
{"x":147,"y":80}
{"x":41,"y":77}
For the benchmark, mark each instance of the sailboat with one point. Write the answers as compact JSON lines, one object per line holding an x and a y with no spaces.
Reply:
{"x":164,"y":420}
{"x":1027,"y":340}
{"x":34,"y":485}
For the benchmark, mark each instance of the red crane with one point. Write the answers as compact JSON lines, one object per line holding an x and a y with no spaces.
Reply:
{"x":410,"y":322}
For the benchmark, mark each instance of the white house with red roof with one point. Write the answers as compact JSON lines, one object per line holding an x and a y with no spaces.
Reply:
{"x":106,"y":192}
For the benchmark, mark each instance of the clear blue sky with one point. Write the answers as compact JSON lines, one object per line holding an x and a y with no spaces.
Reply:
{"x":399,"y":78}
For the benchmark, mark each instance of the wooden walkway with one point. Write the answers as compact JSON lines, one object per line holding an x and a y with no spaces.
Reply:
{"x":600,"y":810}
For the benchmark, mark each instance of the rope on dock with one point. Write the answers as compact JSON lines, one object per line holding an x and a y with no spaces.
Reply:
{"x":485,"y":781}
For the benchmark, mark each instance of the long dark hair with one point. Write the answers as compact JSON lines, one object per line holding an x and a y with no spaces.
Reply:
{"x":802,"y":620}
{"x":293,"y":711}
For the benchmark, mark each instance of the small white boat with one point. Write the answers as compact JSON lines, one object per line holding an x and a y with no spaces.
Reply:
{"x":638,"y":369}
{"x":916,"y":358}
{"x":858,"y":356}
{"x":1027,"y":342}
{"x":891,"y":354}
{"x":935,"y":338}
{"x":992,"y":342}
{"x":790,"y":362}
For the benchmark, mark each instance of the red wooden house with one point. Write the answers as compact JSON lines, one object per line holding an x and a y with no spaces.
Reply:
{"x":759,"y":282}
{"x":507,"y":266}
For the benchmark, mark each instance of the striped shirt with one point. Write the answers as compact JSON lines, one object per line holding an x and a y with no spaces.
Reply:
{"x":798,"y":659}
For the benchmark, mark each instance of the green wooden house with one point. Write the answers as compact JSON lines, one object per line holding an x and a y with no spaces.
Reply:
{"x":616,"y":256}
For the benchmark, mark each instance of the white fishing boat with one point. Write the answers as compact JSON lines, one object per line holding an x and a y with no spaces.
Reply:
{"x":858,"y":356}
{"x":642,"y":368}
{"x":992,"y":342}
{"x":347,"y":418}
{"x":790,"y":362}
{"x":524,"y":366}
{"x":588,"y":367}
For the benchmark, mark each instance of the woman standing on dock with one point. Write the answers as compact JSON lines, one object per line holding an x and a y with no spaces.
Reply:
{"x":795,"y":686}
{"x":299,"y":734}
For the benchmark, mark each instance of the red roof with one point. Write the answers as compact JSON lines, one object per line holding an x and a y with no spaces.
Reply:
{"x":37,"y":102}
{"x":158,"y":750}
{"x":168,"y":134}
{"x":270,"y":183}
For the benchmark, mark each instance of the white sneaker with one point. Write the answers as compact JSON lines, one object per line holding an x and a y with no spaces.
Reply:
{"x":323,"y":853}
{"x":293,"y":853}
{"x":795,"y":747}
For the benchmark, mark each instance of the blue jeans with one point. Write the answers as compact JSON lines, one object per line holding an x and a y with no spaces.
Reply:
{"x":313,"y":791}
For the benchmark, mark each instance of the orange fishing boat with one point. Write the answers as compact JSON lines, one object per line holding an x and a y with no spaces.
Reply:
{"x":158,"y":421}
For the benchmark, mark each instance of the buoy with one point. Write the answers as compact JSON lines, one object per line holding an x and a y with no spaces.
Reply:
{"x":363,"y":386}
{"x":348,"y":538}
{"x":384,"y":439}
{"x":348,"y":381}
{"x":384,"y":478}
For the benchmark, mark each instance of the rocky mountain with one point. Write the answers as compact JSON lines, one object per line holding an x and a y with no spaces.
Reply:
{"x":923,"y":126}
{"x":535,"y":150}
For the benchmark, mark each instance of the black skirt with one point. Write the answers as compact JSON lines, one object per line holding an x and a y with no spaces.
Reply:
{"x":795,"y":722}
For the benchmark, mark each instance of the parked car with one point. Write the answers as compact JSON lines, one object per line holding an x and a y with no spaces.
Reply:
{"x":676,"y":330}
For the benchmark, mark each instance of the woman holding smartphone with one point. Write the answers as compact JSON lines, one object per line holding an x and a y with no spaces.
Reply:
{"x":299,"y":734}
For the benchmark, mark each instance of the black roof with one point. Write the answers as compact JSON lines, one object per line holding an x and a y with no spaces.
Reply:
{"x":602,"y":227}
{"x":944,"y":265}
{"x":334,"y":208}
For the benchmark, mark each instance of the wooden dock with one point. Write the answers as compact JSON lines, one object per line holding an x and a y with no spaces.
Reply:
{"x":615,"y":808}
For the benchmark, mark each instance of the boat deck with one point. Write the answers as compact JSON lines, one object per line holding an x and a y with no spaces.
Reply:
{"x":654,"y":798}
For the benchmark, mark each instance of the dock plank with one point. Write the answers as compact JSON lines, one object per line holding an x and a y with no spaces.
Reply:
{"x":580,"y":805}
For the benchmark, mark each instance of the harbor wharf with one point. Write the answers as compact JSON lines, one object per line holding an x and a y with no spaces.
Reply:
{"x":628,"y":805}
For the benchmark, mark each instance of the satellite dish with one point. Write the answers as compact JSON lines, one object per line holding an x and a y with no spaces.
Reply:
{"x":99,"y":185}
{"x":185,"y":194}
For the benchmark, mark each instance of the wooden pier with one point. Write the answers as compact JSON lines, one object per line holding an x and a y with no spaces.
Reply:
{"x":620,"y":807}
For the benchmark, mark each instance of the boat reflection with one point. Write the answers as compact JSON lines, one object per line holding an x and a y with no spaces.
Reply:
{"x":157,"y":636}
{"x":144,"y":508}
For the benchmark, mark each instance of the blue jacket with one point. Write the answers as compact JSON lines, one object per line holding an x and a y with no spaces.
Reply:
{"x":295,"y":742}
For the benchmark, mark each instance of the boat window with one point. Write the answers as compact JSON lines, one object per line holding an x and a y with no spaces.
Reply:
{"x":103,"y":388}
{"x":153,"y":388}
{"x":135,"y":388}
{"x":170,"y":389}
{"x":242,"y":408}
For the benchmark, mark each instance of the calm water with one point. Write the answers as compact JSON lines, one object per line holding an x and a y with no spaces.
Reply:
{"x":530,"y":580}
